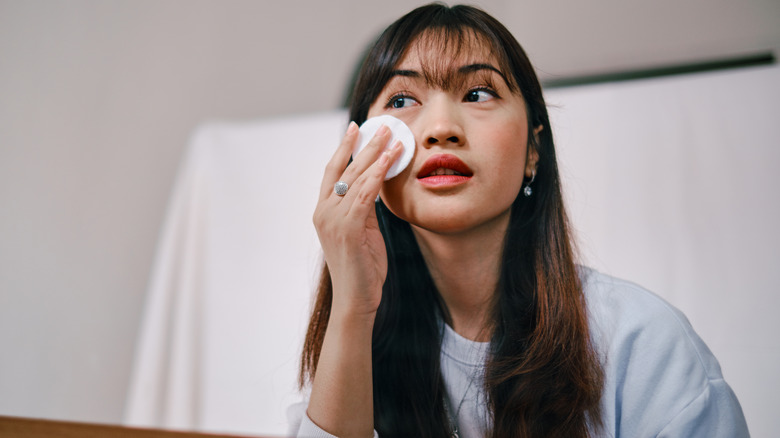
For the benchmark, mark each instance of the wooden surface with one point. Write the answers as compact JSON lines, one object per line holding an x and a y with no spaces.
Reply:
{"x":14,"y":427}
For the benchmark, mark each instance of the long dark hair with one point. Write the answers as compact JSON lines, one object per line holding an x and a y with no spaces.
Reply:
{"x":543,"y":376}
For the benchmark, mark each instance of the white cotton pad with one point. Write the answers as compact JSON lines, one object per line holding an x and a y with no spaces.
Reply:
{"x":400,"y":132}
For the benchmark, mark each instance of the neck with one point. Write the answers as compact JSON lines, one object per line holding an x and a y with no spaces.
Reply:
{"x":465,"y":268}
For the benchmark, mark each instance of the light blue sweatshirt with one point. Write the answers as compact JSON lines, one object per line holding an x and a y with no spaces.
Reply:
{"x":661,"y":380}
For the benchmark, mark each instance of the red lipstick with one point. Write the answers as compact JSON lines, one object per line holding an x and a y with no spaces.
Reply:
{"x":444,"y":170}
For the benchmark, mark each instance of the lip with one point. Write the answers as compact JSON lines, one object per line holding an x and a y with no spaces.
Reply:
{"x":444,"y":161}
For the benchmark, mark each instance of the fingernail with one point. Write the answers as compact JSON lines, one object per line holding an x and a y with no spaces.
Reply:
{"x":382,"y":130}
{"x":384,"y":157}
{"x":352,"y":127}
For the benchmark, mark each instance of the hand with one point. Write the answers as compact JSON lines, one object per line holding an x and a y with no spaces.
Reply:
{"x":347,"y":225}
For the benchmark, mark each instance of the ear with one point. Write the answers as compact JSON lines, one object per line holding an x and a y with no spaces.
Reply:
{"x":532,"y":155}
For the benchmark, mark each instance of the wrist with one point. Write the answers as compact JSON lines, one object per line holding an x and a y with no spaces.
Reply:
{"x":356,"y":304}
{"x":352,"y":316}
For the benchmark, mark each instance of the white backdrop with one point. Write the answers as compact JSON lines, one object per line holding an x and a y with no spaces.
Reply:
{"x":670,"y":183}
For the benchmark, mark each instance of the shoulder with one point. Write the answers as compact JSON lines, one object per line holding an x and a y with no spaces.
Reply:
{"x":656,"y":367}
{"x":625,"y":315}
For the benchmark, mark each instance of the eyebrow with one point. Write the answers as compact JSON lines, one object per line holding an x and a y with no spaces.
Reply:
{"x":477,"y":67}
{"x":464,"y":70}
{"x":405,"y":73}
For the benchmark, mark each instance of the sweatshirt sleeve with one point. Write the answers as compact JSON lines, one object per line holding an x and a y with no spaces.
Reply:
{"x":715,"y":413}
{"x":661,"y":379}
{"x":301,"y":426}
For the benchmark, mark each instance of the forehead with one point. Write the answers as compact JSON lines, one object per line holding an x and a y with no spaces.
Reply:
{"x":445,"y":43}
{"x":438,"y":55}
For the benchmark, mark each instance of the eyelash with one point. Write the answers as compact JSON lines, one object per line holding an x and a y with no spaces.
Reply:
{"x":407,"y":95}
{"x":396,"y":96}
{"x":489,"y":90}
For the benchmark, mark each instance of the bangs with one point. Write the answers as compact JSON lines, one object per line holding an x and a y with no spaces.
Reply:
{"x":447,"y":49}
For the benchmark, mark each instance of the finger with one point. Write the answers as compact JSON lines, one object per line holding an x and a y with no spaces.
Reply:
{"x":361,"y":197}
{"x":368,"y":155}
{"x":338,"y":162}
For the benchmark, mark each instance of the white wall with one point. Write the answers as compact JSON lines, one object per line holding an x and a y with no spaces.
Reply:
{"x":97,"y":99}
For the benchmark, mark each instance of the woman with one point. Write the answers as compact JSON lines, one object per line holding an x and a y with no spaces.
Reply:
{"x":453,"y":306}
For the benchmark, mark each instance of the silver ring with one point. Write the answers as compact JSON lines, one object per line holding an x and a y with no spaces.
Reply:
{"x":340,"y":188}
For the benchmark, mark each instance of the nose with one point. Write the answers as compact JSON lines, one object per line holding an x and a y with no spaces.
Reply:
{"x":442,"y":123}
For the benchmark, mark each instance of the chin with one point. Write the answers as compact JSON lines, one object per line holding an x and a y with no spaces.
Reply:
{"x":454,"y":223}
{"x":448,"y":216}
{"x":443,"y":227}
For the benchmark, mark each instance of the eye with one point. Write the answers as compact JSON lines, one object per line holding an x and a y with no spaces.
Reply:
{"x":480,"y":95}
{"x":400,"y":101}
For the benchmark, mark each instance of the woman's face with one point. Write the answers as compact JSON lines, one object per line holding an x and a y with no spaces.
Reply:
{"x":471,"y":136}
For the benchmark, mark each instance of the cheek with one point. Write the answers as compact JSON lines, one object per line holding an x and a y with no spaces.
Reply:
{"x":508,"y":151}
{"x":392,"y":195}
{"x":376,"y":108}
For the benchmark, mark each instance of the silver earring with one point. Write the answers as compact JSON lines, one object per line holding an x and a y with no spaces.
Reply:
{"x":527,"y":191}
